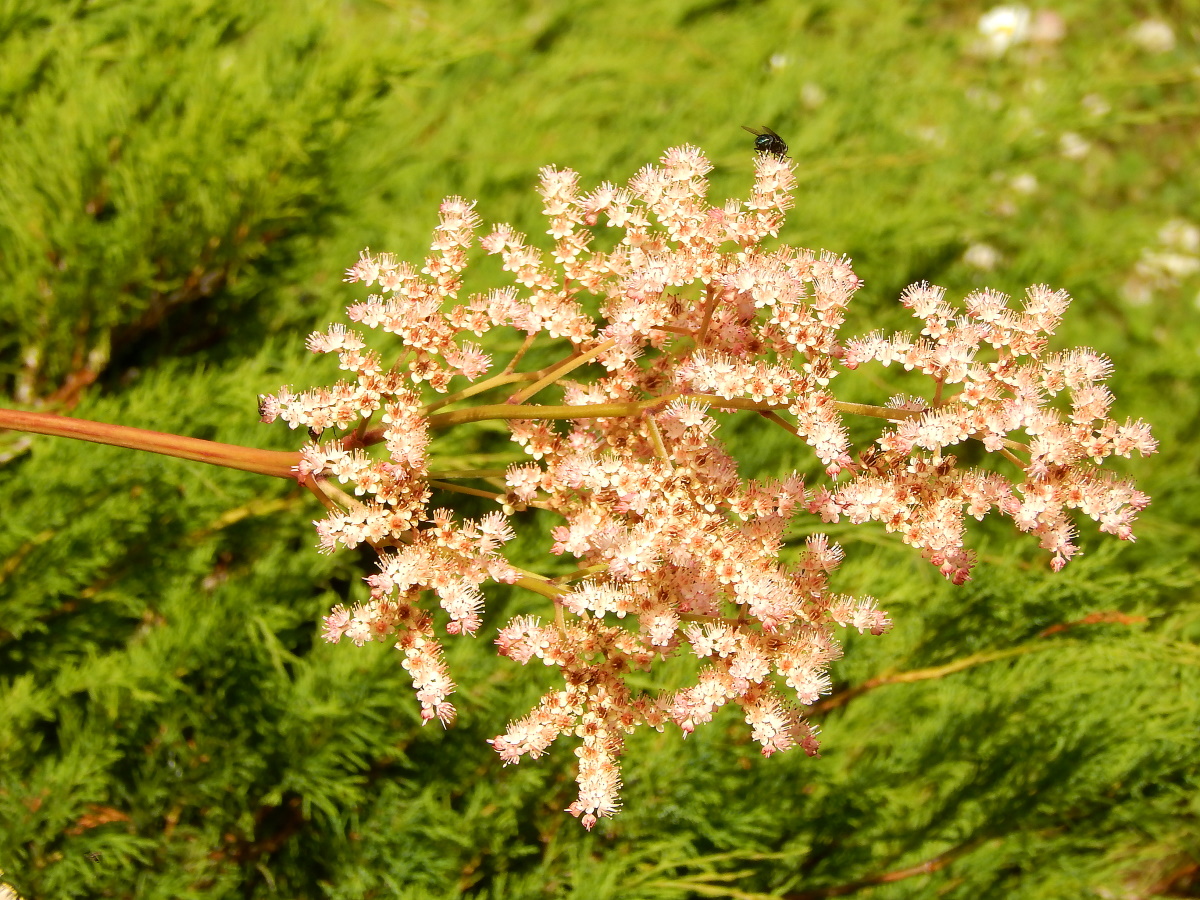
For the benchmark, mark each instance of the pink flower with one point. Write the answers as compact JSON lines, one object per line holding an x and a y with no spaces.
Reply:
{"x":673,"y":549}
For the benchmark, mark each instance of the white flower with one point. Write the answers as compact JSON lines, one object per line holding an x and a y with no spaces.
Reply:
{"x":812,"y":94}
{"x":1153,"y":35}
{"x":1172,"y":266}
{"x":981,"y":256}
{"x":1004,"y":26}
{"x":930,"y":134}
{"x":1073,"y":146}
{"x":1025,"y":183}
{"x":1181,"y":235}
{"x":1096,"y":106}
{"x":1160,"y":270}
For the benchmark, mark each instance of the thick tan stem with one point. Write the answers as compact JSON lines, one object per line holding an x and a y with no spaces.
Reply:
{"x":279,"y":463}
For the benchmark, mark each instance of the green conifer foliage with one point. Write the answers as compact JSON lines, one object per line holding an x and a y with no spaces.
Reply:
{"x":182,"y":184}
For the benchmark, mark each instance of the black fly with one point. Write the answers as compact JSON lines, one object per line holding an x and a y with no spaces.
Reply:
{"x":767,"y":141}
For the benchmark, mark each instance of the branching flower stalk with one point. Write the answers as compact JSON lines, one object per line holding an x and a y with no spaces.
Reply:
{"x":677,"y":552}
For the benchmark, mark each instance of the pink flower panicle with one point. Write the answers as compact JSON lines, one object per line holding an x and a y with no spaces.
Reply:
{"x":1015,"y":395}
{"x":677,"y":552}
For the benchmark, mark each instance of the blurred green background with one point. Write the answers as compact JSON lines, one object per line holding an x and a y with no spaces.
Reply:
{"x":182,"y":185}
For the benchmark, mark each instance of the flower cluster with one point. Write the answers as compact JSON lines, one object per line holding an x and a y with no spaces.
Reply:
{"x":674,"y":550}
{"x":914,"y":488}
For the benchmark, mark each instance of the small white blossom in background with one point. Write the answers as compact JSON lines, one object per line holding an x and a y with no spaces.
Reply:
{"x":1024,"y":183}
{"x":983,"y":257}
{"x":1073,"y":146}
{"x":1166,"y":266}
{"x":1013,"y":189}
{"x":984,"y":99}
{"x":812,"y":94}
{"x":1153,"y":36}
{"x":1180,"y":235}
{"x":1096,"y":106}
{"x":1003,"y":27}
{"x":779,"y":61}
{"x":1174,"y":266}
